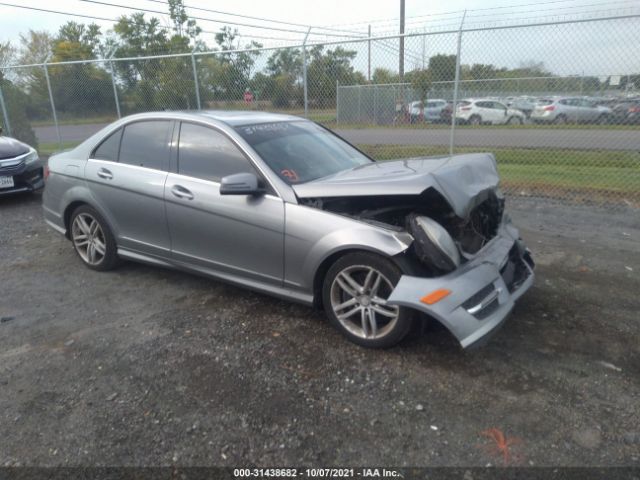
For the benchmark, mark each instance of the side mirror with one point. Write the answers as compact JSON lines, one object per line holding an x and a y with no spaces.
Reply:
{"x":240,"y":184}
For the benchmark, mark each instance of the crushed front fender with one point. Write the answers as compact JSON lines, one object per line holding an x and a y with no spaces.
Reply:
{"x":483,"y":290}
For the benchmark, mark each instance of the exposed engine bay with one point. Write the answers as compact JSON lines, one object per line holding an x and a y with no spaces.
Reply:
{"x":425,"y":217}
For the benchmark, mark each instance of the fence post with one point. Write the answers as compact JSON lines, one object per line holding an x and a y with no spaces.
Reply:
{"x":113,"y":82}
{"x":195,"y":80}
{"x":455,"y":87}
{"x":337,"y":101}
{"x":5,"y":115}
{"x":53,"y":105}
{"x":304,"y":72}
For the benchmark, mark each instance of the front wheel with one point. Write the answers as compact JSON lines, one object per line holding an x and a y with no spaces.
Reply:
{"x":515,"y":121}
{"x":92,"y":239}
{"x":355,"y":293}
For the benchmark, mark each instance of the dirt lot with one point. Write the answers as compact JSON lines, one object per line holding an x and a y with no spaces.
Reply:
{"x":144,"y":366}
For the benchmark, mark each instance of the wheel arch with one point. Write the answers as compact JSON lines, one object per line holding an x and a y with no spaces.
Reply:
{"x":329,"y":260}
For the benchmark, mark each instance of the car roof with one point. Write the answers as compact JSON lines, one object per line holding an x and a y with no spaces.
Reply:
{"x":243,"y":117}
{"x":232,"y":118}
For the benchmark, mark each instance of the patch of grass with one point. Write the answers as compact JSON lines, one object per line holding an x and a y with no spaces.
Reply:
{"x":48,"y":149}
{"x":608,"y":173}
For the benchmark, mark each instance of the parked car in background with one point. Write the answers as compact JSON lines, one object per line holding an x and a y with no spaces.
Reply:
{"x":446,"y":113}
{"x":524,"y":104}
{"x":487,"y":111}
{"x":432,"y":111}
{"x":563,"y":110}
{"x":284,"y":206}
{"x":21,"y":170}
{"x":626,"y":112}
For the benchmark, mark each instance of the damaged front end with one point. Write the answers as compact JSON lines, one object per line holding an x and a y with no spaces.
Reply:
{"x":464,"y":247}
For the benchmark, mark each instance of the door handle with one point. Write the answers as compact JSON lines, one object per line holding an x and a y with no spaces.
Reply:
{"x":104,"y":173}
{"x":181,"y":192}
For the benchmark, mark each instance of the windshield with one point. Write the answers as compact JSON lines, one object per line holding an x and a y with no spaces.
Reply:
{"x":301,"y":151}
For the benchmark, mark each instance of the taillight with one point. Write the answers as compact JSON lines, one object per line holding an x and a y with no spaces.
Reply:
{"x":46,"y":172}
{"x":465,"y":108}
{"x":549,"y":108}
{"x":634,"y":109}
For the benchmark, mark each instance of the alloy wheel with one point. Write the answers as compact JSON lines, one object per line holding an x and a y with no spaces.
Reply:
{"x":359,"y":296}
{"x":88,"y":238}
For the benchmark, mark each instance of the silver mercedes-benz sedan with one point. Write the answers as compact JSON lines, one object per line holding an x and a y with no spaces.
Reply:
{"x":284,"y":206}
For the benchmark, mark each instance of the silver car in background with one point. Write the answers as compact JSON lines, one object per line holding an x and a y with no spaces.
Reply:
{"x":561,"y":110}
{"x":432,"y":110}
{"x":283,"y":206}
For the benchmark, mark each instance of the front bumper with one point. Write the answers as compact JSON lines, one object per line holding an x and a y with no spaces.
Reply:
{"x":27,"y":177}
{"x":483,"y":290}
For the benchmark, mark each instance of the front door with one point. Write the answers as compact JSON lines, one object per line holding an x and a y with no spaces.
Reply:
{"x":239,"y":235}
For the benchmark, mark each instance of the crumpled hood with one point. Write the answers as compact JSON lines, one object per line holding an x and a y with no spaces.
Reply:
{"x":10,"y":147}
{"x":463,"y":180}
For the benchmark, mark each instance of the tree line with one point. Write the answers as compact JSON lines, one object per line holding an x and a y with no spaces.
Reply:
{"x":143,"y":84}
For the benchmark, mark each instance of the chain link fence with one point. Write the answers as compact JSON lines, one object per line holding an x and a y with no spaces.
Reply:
{"x":557,"y":102}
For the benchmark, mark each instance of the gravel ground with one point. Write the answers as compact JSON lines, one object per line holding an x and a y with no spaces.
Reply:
{"x":145,"y":366}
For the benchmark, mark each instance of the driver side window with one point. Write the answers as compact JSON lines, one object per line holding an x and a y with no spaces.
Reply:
{"x":207,"y":154}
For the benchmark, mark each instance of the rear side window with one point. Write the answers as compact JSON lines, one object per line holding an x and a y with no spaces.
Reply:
{"x":146,"y":144}
{"x":108,"y":149}
{"x":208,"y":154}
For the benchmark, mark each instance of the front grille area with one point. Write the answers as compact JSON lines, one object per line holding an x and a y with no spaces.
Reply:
{"x":488,"y":310}
{"x":478,"y":297}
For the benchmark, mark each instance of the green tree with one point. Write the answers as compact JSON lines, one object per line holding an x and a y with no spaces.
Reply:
{"x":383,"y":75}
{"x":285,"y":69}
{"x":326,"y":69}
{"x":16,"y":103}
{"x":421,"y":82}
{"x":77,"y":41}
{"x":442,"y":68}
{"x":235,"y":67}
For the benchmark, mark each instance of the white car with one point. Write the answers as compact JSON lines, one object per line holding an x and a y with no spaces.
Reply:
{"x":487,"y":111}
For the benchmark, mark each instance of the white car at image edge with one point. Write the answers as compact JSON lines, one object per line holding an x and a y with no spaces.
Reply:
{"x":486,"y":111}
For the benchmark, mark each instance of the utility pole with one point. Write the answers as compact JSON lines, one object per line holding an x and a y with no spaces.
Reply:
{"x":369,"y":56}
{"x":401,"y":66}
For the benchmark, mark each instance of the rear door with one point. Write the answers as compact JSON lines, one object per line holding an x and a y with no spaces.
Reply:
{"x":499,"y":113}
{"x":126,"y":173}
{"x":240,"y":235}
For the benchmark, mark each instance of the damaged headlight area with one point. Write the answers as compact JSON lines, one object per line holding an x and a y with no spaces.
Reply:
{"x":433,"y":245}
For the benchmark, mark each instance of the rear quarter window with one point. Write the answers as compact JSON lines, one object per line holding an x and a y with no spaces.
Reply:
{"x":108,"y":149}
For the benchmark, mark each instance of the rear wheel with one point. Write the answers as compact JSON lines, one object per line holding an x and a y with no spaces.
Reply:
{"x":475,"y":120}
{"x":92,"y":239}
{"x":355,"y":293}
{"x":560,"y":120}
{"x":515,"y":121}
{"x":603,"y":119}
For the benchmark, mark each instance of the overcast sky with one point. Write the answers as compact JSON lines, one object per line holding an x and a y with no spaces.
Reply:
{"x":593,"y":48}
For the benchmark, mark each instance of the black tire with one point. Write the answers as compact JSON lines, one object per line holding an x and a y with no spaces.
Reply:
{"x":560,"y":120}
{"x":475,"y":120}
{"x":604,"y":119}
{"x":396,"y":329}
{"x":110,"y":258}
{"x":515,"y":121}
